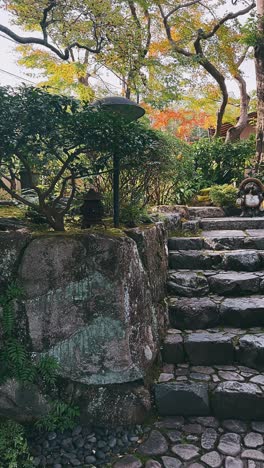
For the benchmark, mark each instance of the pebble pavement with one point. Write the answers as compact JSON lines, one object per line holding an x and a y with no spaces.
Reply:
{"x":175,"y":442}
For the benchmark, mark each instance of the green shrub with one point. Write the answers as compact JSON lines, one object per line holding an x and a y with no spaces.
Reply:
{"x":217,"y":162}
{"x":14,"y":451}
{"x":223,"y":195}
{"x":133,"y":214}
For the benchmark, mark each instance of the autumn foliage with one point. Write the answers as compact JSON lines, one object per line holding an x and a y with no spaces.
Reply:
{"x":181,"y":122}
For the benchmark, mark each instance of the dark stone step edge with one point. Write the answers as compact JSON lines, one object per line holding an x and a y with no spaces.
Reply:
{"x":177,"y":350}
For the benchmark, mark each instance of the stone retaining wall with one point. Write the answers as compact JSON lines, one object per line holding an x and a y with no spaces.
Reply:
{"x":95,"y":302}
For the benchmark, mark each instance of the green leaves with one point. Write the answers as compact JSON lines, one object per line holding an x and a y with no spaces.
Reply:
{"x":218,"y":162}
{"x":62,"y":416}
{"x":14,"y":451}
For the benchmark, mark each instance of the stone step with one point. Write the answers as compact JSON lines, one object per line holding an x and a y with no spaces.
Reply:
{"x":219,"y":240}
{"x":210,"y":224}
{"x":190,"y":283}
{"x":223,"y":391}
{"x":215,"y":346}
{"x":206,"y":212}
{"x":237,"y":260}
{"x":210,"y":311}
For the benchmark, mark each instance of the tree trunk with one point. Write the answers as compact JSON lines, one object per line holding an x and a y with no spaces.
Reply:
{"x":259,"y":65}
{"x":233,"y":134}
{"x":55,"y":219}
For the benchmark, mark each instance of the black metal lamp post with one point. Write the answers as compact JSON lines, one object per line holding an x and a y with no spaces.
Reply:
{"x":129,"y":111}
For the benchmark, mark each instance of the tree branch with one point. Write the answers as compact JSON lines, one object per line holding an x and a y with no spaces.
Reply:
{"x":65,"y":166}
{"x":178,"y":7}
{"x":44,"y":42}
{"x":228,"y":17}
{"x":16,"y":196}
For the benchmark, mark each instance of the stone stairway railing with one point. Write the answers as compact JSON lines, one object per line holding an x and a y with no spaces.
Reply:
{"x":213,"y":353}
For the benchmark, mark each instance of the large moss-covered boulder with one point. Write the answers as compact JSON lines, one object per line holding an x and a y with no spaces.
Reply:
{"x":94,"y":302}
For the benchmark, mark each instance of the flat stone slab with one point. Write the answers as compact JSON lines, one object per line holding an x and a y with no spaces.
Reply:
{"x":194,"y":259}
{"x":251,"y":350}
{"x":237,"y":260}
{"x":231,"y":462}
{"x":197,"y":283}
{"x":174,"y":399}
{"x":156,"y":444}
{"x":229,"y":444}
{"x":205,"y":348}
{"x":185,"y":243}
{"x":223,"y":233}
{"x":255,"y":232}
{"x":238,"y":400}
{"x":171,"y":462}
{"x":187,"y":283}
{"x":206,"y":211}
{"x":242,"y":312}
{"x":213,"y":347}
{"x":253,"y":440}
{"x":186,"y":452}
{"x":232,"y":223}
{"x":231,"y":392}
{"x":212,"y":459}
{"x":209,"y":438}
{"x":233,"y":282}
{"x":211,"y":311}
{"x":253,"y":455}
{"x":193,"y":313}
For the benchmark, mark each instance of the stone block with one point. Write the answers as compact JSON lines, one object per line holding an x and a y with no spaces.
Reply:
{"x":238,"y":400}
{"x":195,"y":313}
{"x":174,"y":399}
{"x":242,"y":312}
{"x":251,"y":351}
{"x":228,"y":283}
{"x":188,"y":284}
{"x":205,"y":348}
{"x":172,"y":349}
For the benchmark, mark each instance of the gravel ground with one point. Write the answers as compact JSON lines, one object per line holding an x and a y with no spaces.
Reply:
{"x":83,"y":446}
{"x":176,"y":442}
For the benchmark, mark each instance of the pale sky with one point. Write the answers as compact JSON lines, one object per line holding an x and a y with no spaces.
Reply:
{"x":8,"y":64}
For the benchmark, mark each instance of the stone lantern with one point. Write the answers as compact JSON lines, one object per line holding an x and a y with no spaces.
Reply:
{"x":92,"y":209}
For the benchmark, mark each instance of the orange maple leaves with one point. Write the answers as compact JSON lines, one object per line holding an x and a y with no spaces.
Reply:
{"x":180,"y":122}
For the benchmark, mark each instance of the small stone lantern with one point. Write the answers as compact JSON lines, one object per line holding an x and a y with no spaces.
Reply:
{"x":92,"y":209}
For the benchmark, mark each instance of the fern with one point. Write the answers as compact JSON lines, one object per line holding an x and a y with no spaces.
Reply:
{"x":8,"y":319}
{"x":62,"y":416}
{"x":17,"y":362}
{"x":48,"y":368}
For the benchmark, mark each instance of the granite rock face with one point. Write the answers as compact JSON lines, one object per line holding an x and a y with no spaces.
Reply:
{"x":24,"y":403}
{"x":12,"y":245}
{"x":89,"y":303}
{"x":95,"y":302}
{"x":111,"y":405}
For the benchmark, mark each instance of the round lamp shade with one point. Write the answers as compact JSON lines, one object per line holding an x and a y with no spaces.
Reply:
{"x":129,"y":110}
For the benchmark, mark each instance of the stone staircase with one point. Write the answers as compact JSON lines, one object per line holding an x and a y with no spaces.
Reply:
{"x":213,"y":353}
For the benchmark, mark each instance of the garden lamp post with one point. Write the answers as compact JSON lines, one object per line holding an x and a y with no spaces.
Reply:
{"x":129,"y":111}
